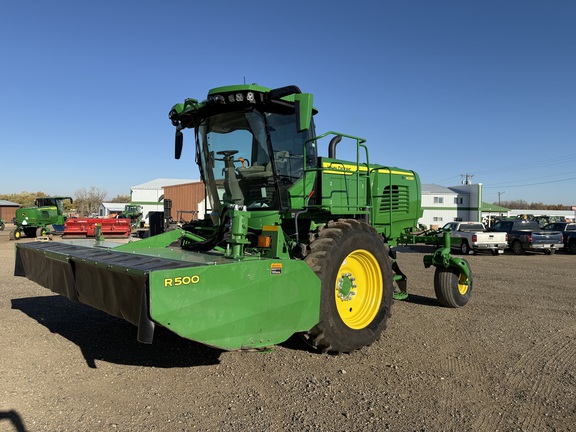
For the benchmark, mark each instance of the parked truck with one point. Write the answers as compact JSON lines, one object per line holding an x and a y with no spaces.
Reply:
{"x":46,"y":214}
{"x":524,"y":235}
{"x":294,"y":243}
{"x":474,"y":237}
{"x":568,"y":230}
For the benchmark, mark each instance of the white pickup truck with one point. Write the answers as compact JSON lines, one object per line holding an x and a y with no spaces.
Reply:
{"x":474,"y":238}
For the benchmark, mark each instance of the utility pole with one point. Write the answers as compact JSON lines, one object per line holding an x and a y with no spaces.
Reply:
{"x":500,"y":194}
{"x":467,"y":178}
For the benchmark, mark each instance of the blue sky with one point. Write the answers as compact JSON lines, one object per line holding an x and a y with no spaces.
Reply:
{"x":445,"y":88}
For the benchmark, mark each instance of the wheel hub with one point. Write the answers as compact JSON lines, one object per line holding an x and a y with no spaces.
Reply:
{"x":346,"y":287}
{"x":462,"y":284}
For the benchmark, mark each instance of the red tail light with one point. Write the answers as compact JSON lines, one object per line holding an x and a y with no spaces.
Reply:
{"x":474,"y":238}
{"x":529,"y":239}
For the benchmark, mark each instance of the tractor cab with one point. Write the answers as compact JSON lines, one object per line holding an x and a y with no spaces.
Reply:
{"x":252,"y":144}
{"x":57,"y":202}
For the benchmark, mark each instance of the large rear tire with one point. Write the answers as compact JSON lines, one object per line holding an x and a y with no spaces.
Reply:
{"x":355,"y":270}
{"x":450,"y":288}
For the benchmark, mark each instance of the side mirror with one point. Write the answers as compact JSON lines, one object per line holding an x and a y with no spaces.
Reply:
{"x":303,"y":108}
{"x":179,"y":143}
{"x":302,"y":104}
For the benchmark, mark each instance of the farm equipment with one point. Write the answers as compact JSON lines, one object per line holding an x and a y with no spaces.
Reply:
{"x":36,"y":221}
{"x":92,"y":227}
{"x":120,"y":226}
{"x":133,"y":213}
{"x":296,"y":243}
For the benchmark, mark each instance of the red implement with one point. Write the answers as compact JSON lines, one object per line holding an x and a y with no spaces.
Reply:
{"x":86,"y":227}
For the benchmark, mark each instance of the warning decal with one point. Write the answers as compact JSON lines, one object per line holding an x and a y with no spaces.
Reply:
{"x":276,"y":268}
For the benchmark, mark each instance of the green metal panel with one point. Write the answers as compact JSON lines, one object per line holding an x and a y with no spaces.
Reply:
{"x":300,"y":191}
{"x":344,"y":187}
{"x":39,"y":216}
{"x":260,"y":218}
{"x":396,"y":200}
{"x":154,"y":243}
{"x":237,"y":304}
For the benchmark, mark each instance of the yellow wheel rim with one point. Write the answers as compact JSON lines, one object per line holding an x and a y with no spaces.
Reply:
{"x":358,"y":289}
{"x":462,"y":284}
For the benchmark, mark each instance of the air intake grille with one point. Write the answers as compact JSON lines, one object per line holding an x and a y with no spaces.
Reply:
{"x":395,"y":198}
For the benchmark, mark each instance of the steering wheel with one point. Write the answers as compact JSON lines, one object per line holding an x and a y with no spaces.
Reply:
{"x":228,"y":156}
{"x":227,"y":152}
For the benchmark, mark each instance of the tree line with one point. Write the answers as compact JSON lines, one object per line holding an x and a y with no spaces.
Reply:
{"x":85,"y":201}
{"x":521,"y":205}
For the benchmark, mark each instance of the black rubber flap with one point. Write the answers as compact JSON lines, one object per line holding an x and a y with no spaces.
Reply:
{"x":114,"y":282}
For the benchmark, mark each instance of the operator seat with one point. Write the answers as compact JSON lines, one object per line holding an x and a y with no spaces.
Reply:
{"x":255,"y":172}
{"x":231,"y":185}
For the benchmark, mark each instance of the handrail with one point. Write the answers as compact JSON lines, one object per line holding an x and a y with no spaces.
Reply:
{"x":359,"y":144}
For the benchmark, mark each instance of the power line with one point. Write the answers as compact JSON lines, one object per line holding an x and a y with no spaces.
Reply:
{"x":531,"y":165}
{"x":444,"y":180}
{"x":502,"y":184}
{"x":523,"y":166}
{"x":520,"y":167}
{"x":530,"y":184}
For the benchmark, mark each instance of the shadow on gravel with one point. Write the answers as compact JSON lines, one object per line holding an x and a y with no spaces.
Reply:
{"x":415,"y":249}
{"x":103,"y":337}
{"x":297,"y":343}
{"x":421,"y":300}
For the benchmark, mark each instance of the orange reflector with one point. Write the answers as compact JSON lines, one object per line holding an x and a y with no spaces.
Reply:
{"x":273,"y":228}
{"x":264,"y":241}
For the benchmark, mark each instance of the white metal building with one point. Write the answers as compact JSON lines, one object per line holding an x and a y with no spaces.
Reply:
{"x":150,"y":195}
{"x":446,"y":204}
{"x":106,"y":209}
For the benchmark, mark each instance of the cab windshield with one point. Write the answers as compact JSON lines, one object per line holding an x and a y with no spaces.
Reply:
{"x":252,"y":158}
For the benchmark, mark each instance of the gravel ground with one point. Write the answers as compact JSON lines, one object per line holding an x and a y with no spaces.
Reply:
{"x":504,"y":362}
